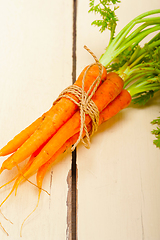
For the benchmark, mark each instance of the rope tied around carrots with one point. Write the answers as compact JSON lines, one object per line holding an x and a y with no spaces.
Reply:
{"x":85,"y":103}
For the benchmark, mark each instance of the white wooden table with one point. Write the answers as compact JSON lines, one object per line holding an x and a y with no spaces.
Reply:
{"x":118,"y":179}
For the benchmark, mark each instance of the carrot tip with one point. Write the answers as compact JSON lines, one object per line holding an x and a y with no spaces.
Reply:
{"x":4,"y":229}
{"x":1,"y":170}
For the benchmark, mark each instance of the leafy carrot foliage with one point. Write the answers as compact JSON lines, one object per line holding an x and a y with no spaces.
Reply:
{"x":106,"y":10}
{"x":156,"y":132}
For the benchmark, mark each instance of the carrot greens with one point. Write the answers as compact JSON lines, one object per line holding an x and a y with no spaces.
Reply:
{"x":128,"y":37}
{"x":140,"y":70}
{"x":138,"y":66}
{"x":156,"y":132}
{"x":106,"y":9}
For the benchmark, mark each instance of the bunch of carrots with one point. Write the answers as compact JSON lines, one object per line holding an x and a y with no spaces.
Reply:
{"x":42,"y":141}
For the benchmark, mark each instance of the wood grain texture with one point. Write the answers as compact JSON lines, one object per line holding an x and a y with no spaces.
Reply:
{"x":118,"y":179}
{"x":119,"y":176}
{"x":35,"y":66}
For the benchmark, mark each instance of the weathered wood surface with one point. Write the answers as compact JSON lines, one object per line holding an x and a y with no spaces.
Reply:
{"x":35,"y":66}
{"x":118,"y":179}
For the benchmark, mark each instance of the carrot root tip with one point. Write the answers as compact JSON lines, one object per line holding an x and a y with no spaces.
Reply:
{"x":4,"y":229}
{"x":6,"y":217}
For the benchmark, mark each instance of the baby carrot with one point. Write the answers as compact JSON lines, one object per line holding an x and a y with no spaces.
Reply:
{"x":57,"y":116}
{"x":43,"y":169}
{"x":120,"y":102}
{"x":18,"y":178}
{"x":21,"y":137}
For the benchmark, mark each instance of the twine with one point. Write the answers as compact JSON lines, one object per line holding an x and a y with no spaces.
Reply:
{"x":85,"y":103}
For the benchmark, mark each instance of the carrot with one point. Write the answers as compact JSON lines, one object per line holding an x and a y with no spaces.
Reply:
{"x":21,"y":137}
{"x":56,"y":117}
{"x":42,"y":171}
{"x":18,"y":178}
{"x":103,"y":96}
{"x":2,"y":225}
{"x":120,"y":102}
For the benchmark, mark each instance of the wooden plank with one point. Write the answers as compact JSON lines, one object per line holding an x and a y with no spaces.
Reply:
{"x":35,"y":66}
{"x":119,"y":176}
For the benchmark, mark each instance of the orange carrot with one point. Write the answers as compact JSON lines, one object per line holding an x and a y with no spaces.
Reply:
{"x":18,"y":178}
{"x":120,"y":102}
{"x":42,"y":171}
{"x":21,"y":137}
{"x":103,"y":96}
{"x":57,"y":116}
{"x":2,"y":225}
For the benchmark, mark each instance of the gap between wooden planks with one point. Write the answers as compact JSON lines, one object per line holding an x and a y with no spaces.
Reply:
{"x":71,"y":232}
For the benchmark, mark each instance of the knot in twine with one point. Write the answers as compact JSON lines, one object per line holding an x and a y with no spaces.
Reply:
{"x":85,"y":103}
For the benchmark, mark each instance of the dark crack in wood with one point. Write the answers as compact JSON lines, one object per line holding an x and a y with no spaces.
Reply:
{"x":72,"y":175}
